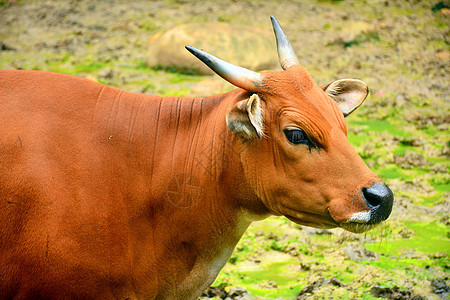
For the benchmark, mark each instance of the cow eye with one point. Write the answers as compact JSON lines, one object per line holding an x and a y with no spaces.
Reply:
{"x":297,"y":136}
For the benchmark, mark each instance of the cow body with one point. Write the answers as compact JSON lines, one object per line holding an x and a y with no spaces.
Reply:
{"x":108,"y":194}
{"x":104,"y":192}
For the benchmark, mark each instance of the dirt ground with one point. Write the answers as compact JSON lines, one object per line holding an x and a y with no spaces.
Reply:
{"x":399,"y":48}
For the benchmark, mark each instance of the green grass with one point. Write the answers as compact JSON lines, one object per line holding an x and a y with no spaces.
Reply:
{"x":379,"y":126}
{"x":427,"y":238}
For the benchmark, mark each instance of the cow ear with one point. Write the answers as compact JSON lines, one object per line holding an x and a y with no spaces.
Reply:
{"x":347,"y":93}
{"x":245,"y":118}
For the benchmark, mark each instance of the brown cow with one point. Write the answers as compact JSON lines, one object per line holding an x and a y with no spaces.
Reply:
{"x":109,"y":194}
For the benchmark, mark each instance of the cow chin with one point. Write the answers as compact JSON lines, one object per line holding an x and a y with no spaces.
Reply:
{"x":324,"y":223}
{"x":315,"y":221}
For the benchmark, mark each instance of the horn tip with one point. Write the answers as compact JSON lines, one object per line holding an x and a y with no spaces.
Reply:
{"x":196,"y":52}
{"x":274,"y":20}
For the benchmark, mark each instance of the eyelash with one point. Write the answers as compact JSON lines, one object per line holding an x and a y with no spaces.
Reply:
{"x":297,"y":136}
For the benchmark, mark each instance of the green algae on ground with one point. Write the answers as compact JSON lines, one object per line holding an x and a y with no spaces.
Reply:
{"x":379,"y":126}
{"x":391,"y":172}
{"x":431,"y":201}
{"x":261,"y":281}
{"x":271,"y":275}
{"x":428,"y":238}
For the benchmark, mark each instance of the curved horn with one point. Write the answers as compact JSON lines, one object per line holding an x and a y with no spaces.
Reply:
{"x":240,"y":77}
{"x":286,"y":54}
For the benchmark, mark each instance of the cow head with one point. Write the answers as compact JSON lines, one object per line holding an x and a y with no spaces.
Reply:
{"x":294,"y":145}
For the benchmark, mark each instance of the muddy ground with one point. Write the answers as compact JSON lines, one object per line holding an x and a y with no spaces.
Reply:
{"x":401,"y":131}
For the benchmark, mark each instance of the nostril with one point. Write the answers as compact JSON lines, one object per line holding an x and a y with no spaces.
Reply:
{"x":377,"y":194}
{"x":372,"y":198}
{"x":379,"y":198}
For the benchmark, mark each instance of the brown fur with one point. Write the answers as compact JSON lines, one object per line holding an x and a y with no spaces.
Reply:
{"x":109,"y":194}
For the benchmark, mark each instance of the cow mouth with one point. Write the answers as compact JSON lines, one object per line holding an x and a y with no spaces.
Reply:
{"x":359,"y":222}
{"x":318,"y":221}
{"x":354,"y":225}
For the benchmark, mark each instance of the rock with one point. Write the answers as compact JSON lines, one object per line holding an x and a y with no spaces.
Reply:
{"x":214,"y":292}
{"x":91,"y":77}
{"x":5,"y":47}
{"x":428,"y":120}
{"x":317,"y":231}
{"x":443,"y":56}
{"x":410,"y":141}
{"x":439,"y":168}
{"x":440,"y":6}
{"x":445,"y":11}
{"x":410,"y":160}
{"x":418,"y":186}
{"x":248,"y":47}
{"x":440,"y":287}
{"x":273,"y":236}
{"x":406,"y":233}
{"x":360,"y":253}
{"x":308,"y":290}
{"x":237,"y":293}
{"x":268,"y":285}
{"x":446,"y":149}
{"x":394,"y":293}
{"x":293,"y":249}
{"x":106,"y":73}
{"x":354,"y":32}
{"x":208,"y":87}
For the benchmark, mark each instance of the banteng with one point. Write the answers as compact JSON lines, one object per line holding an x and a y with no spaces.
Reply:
{"x":109,"y":194}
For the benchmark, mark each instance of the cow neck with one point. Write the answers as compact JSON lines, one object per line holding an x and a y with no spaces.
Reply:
{"x":176,"y":172}
{"x":193,"y":181}
{"x":179,"y":148}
